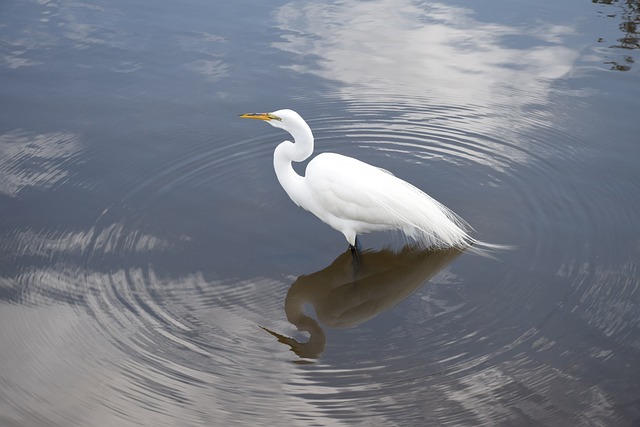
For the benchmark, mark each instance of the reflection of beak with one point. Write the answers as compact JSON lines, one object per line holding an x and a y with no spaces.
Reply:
{"x":311,"y":349}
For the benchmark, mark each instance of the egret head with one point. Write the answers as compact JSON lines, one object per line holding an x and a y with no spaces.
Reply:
{"x":285,"y":119}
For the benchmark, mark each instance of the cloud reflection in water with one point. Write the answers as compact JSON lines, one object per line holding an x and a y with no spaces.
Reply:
{"x":35,"y":160}
{"x":392,"y":50}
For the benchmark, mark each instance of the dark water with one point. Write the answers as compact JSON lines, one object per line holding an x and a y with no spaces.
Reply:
{"x":153,"y":272}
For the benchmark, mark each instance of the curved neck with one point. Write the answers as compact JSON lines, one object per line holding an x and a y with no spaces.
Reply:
{"x":287,"y":152}
{"x":313,"y":348}
{"x":293,"y":307}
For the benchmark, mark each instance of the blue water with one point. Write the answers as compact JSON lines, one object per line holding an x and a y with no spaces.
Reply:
{"x":153,"y":272}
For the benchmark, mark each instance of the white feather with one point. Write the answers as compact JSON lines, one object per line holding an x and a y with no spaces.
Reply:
{"x":348,"y":192}
{"x":354,"y":197}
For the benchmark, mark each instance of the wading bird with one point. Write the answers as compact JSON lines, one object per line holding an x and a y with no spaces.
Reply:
{"x":354,"y":197}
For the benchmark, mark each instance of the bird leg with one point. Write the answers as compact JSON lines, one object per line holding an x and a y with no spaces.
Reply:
{"x":356,"y":251}
{"x":356,"y":258}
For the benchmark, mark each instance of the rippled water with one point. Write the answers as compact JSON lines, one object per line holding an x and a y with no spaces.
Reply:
{"x":153,"y":272}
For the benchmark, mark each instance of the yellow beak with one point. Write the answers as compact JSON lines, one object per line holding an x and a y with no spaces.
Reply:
{"x":260,"y":116}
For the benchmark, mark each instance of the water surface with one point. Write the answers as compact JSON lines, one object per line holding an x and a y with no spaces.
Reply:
{"x":153,"y":272}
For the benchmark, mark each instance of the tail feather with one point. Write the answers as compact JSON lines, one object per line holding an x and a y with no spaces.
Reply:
{"x":428,"y":222}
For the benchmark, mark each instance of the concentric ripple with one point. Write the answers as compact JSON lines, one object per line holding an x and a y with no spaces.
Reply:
{"x":162,"y":303}
{"x":153,"y":272}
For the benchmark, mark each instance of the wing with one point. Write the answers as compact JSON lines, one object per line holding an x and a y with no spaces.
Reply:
{"x":352,"y":190}
{"x":342,"y":185}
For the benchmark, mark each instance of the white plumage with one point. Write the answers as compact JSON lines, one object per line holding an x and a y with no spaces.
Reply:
{"x":354,"y":197}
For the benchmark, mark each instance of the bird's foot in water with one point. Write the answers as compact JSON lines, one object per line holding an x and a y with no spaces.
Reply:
{"x":356,"y":251}
{"x":357,"y":248}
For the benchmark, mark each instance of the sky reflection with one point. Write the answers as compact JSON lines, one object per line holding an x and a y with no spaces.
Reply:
{"x":388,"y":49}
{"x":35,"y":160}
{"x":146,"y":240}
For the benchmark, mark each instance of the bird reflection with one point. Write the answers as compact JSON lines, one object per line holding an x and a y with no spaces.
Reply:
{"x":345,"y":295}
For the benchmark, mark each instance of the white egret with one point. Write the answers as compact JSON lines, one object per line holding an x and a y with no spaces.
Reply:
{"x":354,"y":197}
